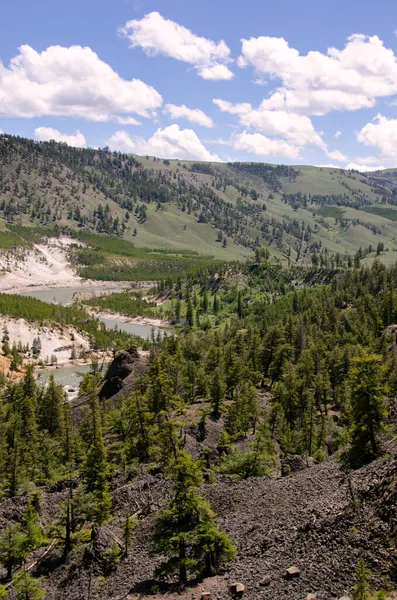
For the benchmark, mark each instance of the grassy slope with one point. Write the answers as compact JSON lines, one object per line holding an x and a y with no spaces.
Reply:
{"x":173,"y":229}
{"x":180,"y":231}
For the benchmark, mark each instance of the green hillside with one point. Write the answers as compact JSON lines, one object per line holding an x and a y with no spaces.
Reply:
{"x":217,"y":209}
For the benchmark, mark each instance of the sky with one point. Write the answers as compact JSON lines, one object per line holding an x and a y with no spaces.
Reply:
{"x":292,"y":82}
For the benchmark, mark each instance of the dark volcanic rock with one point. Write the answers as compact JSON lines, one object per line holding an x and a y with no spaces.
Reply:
{"x":123,"y":364}
{"x":292,"y":572}
{"x":119,"y":370}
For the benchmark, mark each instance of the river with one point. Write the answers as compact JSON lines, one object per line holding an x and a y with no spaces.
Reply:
{"x":69,"y":376}
{"x":65,"y":295}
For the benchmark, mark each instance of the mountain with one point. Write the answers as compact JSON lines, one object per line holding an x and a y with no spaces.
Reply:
{"x":223,"y":210}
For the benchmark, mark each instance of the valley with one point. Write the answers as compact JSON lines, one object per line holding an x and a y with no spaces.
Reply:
{"x":207,"y":401}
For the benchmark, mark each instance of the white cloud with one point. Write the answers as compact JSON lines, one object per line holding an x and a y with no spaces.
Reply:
{"x":218,"y":142}
{"x":156,"y":35}
{"x":382,"y":134}
{"x":337,"y":155}
{"x":363,"y":168}
{"x":259,"y":144}
{"x":297,"y":129}
{"x":194,"y":115}
{"x":45,"y":134}
{"x":170,"y":142}
{"x":353,"y":166}
{"x":70,"y":82}
{"x":260,"y":81}
{"x":127,"y":121}
{"x":337,"y":134}
{"x":329,"y":166}
{"x":316,"y":83}
{"x":216,"y":73}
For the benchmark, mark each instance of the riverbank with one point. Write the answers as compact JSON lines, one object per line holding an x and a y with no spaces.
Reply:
{"x":152,"y":322}
{"x":56,"y":345}
{"x":47,"y":266}
{"x":41,"y":264}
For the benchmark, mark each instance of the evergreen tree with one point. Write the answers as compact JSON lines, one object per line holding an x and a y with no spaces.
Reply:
{"x":12,"y":547}
{"x":31,"y":527}
{"x":368,"y":393}
{"x":27,"y":587}
{"x":95,"y":468}
{"x":361,"y":590}
{"x":129,"y":528}
{"x":217,"y":392}
{"x":50,"y":407}
{"x":185,"y":531}
{"x":189,"y":313}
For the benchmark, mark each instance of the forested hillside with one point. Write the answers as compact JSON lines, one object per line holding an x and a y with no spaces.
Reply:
{"x":258,"y":436}
{"x":223,"y":210}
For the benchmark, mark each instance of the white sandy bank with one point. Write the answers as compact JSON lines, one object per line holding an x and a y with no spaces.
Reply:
{"x":55,"y":341}
{"x":43,"y":265}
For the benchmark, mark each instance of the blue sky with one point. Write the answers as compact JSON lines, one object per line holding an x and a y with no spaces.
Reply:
{"x":299,"y":81}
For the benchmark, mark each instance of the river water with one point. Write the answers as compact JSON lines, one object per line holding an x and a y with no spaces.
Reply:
{"x":69,"y":376}
{"x":64,"y":296}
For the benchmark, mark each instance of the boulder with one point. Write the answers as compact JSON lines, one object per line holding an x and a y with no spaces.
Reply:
{"x":265,"y":581}
{"x":237,"y":589}
{"x":295,"y":463}
{"x":206,"y":596}
{"x":311,"y":597}
{"x":292,"y":573}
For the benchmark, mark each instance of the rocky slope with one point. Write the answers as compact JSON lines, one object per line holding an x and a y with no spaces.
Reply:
{"x":320,"y":520}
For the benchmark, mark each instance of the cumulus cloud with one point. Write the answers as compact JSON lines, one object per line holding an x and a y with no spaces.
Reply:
{"x":215,"y":73}
{"x":317,"y":83}
{"x":256,"y":143}
{"x":363,"y":168}
{"x":297,"y":129}
{"x":382,"y":134}
{"x":170,"y":142}
{"x":156,"y":35}
{"x":329,"y":166}
{"x":337,"y":134}
{"x":194,"y":115}
{"x":72,"y":82}
{"x":45,"y":134}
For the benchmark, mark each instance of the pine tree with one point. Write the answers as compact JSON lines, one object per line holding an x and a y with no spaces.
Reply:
{"x":189,"y":313}
{"x":368,"y":393}
{"x":12,"y":547}
{"x":129,"y":528}
{"x":50,"y":407}
{"x":239,"y":306}
{"x":27,"y":587}
{"x":31,"y":527}
{"x":185,"y":530}
{"x":215,"y":307}
{"x":217,"y":392}
{"x":95,"y":468}
{"x":361,"y":590}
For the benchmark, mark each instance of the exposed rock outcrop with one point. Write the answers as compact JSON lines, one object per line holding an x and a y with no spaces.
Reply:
{"x":126,"y":366}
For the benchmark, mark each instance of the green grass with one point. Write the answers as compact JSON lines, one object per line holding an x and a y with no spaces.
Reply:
{"x":330,"y":211}
{"x":114,"y":259}
{"x":382,"y":211}
{"x":10,"y":240}
{"x":177,"y":230}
